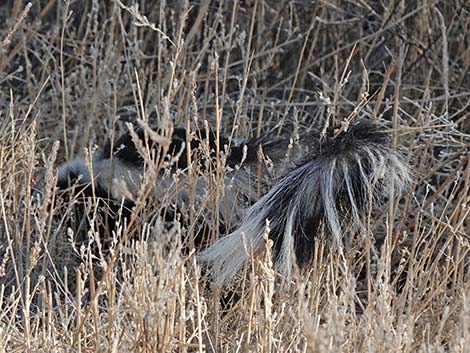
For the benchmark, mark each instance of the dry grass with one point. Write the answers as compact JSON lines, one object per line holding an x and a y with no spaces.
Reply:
{"x":67,"y":68}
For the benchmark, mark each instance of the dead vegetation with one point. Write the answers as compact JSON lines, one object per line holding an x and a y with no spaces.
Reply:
{"x":68,"y":68}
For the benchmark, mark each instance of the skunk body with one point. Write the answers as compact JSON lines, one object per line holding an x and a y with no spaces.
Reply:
{"x":114,"y":173}
{"x":334,"y":186}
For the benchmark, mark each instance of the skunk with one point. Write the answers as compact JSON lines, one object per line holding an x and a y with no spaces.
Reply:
{"x":337,"y":179}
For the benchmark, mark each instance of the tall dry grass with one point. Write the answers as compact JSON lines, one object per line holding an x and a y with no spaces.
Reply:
{"x":67,"y":68}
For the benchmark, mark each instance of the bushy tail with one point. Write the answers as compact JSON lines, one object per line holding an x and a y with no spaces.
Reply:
{"x":350,"y":174}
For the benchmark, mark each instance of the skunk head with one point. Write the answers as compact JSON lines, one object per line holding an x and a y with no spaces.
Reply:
{"x":99,"y":189}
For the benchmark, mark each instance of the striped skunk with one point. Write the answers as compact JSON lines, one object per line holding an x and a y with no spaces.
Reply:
{"x":339,"y":178}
